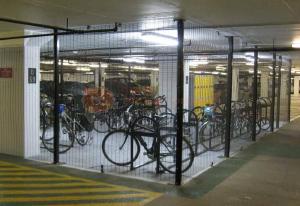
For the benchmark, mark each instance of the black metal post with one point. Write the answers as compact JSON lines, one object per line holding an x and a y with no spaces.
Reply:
{"x":56,"y":100}
{"x":273,"y":93}
{"x":229,"y":98}
{"x":254,"y":103}
{"x":61,"y":88}
{"x":180,"y":96}
{"x":289,"y":89}
{"x":279,"y":93}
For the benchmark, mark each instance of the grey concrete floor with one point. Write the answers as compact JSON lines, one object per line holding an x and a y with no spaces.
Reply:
{"x":265,"y":174}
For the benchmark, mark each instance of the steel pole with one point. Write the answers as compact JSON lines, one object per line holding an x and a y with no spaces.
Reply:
{"x":229,"y":98}
{"x":56,"y":100}
{"x":254,"y":103}
{"x":279,"y":93}
{"x":272,"y":118}
{"x":289,"y":89}
{"x":180,"y":96}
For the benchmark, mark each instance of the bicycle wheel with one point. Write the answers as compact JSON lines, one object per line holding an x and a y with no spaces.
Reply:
{"x":66,"y":141}
{"x":116,"y":147}
{"x":167,"y":153}
{"x":65,"y":144}
{"x":100,"y":123}
{"x":47,"y":121}
{"x":265,"y":123}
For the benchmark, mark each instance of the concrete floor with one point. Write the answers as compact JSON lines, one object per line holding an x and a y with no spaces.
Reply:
{"x":266,"y":173}
{"x":295,"y":107}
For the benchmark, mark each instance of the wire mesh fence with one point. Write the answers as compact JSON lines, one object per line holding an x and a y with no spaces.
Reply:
{"x":118,"y":102}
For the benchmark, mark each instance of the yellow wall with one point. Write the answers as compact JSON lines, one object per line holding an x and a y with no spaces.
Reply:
{"x":203,"y":90}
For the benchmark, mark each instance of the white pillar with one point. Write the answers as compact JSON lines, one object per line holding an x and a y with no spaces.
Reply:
{"x":154,"y":82}
{"x":102,"y":80}
{"x":296,"y":85}
{"x":168,"y":82}
{"x":186,"y":84}
{"x":32,"y":96}
{"x":97,"y":77}
{"x":235,"y":84}
{"x":264,"y":81}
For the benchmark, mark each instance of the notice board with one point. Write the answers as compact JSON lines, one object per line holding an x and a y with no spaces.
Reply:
{"x":6,"y":73}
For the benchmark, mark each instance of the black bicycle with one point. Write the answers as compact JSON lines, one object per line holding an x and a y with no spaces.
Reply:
{"x":123,"y":147}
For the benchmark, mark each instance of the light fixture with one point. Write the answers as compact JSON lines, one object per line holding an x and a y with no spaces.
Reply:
{"x":250,"y":63}
{"x":83,"y":69}
{"x":296,"y":44}
{"x":220,"y":68}
{"x":134,"y":60}
{"x":199,"y":62}
{"x":215,"y":73}
{"x":75,"y":52}
{"x":159,"y":39}
{"x":94,"y":66}
{"x":103,"y":65}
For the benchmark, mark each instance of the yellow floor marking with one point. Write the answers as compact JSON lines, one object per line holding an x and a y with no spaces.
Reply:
{"x":3,"y":174}
{"x":149,"y":196}
{"x":104,"y":204}
{"x":71,"y":198}
{"x":28,"y":185}
{"x":36,"y":179}
{"x":61,"y":191}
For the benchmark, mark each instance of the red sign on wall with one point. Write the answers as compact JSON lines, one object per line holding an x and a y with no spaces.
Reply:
{"x":6,"y":73}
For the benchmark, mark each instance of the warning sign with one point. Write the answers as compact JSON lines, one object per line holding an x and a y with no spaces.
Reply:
{"x":6,"y":73}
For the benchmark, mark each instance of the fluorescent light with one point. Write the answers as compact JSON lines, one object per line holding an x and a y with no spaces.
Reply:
{"x":296,"y":44}
{"x":215,"y":73}
{"x":134,"y":60}
{"x":75,"y":52}
{"x":104,"y":65}
{"x":250,"y":63}
{"x":159,"y":39}
{"x":220,"y":68}
{"x":94,"y":65}
{"x":83,"y":69}
{"x":199,"y":62}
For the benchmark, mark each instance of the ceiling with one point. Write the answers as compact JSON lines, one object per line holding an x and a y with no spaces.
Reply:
{"x":255,"y":22}
{"x":208,"y":12}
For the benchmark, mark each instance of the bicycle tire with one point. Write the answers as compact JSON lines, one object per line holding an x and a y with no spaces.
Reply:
{"x":105,"y":148}
{"x":187,"y":151}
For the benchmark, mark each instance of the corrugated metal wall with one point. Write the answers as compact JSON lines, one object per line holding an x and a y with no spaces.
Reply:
{"x":12,"y":102}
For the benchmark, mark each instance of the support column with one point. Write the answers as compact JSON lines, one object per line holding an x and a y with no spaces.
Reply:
{"x":180,"y":96}
{"x":296,"y":86}
{"x":102,"y":80}
{"x":254,"y":103}
{"x":228,"y":100}
{"x":289,"y":89}
{"x":97,"y":77}
{"x":264,"y":81}
{"x":56,"y":99}
{"x":154,"y":79}
{"x":235,"y":84}
{"x":186,"y":85}
{"x":273,"y":92}
{"x":279,"y":93}
{"x":168,"y":82}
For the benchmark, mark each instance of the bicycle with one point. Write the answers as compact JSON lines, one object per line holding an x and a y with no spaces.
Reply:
{"x":123,"y":147}
{"x":75,"y":126}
